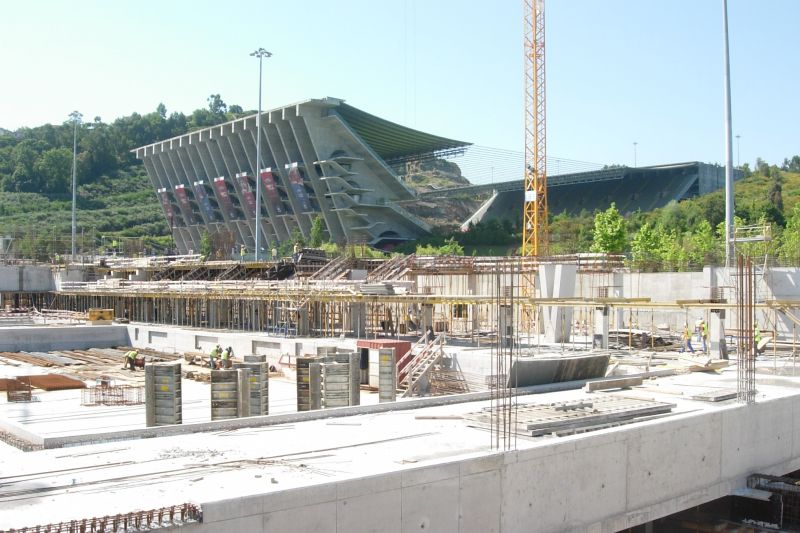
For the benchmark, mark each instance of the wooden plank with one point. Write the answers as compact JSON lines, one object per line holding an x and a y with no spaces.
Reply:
{"x":616,"y":383}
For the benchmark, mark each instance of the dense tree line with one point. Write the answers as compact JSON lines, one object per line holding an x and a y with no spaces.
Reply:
{"x":40,"y":159}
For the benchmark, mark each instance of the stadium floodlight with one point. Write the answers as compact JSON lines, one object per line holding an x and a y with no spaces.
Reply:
{"x":76,"y":119}
{"x":260,"y":54}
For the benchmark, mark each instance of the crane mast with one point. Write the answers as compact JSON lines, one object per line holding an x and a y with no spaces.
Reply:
{"x":535,"y":231}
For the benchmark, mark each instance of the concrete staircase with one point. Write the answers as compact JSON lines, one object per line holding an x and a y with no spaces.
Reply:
{"x":394,"y":268}
{"x":413,"y":367}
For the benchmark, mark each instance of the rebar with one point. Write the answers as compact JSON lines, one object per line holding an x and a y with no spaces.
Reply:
{"x":745,"y":305}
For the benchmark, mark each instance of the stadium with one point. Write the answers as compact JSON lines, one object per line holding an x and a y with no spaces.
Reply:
{"x":323,"y":157}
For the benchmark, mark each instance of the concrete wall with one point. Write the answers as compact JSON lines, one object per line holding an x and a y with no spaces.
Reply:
{"x":176,"y":339}
{"x":596,"y":483}
{"x":26,"y":278}
{"x":47,"y":338}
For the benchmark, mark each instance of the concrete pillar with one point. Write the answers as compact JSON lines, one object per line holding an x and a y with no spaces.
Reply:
{"x":505,"y":327}
{"x":302,"y":322}
{"x":163,"y":398}
{"x":601,"y":316}
{"x":716,"y":333}
{"x":427,"y":317}
{"x":387,"y":375}
{"x":617,"y":290}
{"x":243,"y":392}
{"x":357,"y":319}
{"x":472,"y":288}
{"x":315,"y":386}
{"x":557,"y":281}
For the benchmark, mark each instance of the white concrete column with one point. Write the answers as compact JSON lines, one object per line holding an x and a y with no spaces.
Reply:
{"x":601,"y":317}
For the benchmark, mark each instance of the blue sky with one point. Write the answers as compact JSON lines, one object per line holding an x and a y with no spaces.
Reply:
{"x":618,"y":71}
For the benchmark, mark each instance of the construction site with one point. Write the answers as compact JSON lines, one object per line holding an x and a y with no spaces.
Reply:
{"x":258,"y":393}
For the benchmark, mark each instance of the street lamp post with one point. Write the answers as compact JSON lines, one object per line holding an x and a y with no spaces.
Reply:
{"x":260,"y":54}
{"x":76,"y":118}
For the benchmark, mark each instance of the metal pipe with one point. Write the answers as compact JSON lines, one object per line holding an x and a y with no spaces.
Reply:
{"x":728,"y":143}
{"x":260,"y":54}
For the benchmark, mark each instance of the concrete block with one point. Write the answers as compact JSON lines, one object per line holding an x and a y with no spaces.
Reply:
{"x":480,"y":502}
{"x":482,"y":464}
{"x":359,"y":487}
{"x":598,"y":481}
{"x":222,"y":510}
{"x":757,"y":435}
{"x":430,"y":474}
{"x":301,"y":497}
{"x":529,"y":498}
{"x":377,"y":512}
{"x":431,"y":507}
{"x":678,"y":457}
{"x":317,"y":518}
{"x":250,"y":524}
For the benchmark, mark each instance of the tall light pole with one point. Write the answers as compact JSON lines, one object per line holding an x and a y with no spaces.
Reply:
{"x":260,"y":54}
{"x":76,"y":118}
{"x":738,"y":154}
{"x":728,"y":143}
{"x":634,"y":154}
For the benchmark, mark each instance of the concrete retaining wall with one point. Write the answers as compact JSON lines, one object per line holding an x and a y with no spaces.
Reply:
{"x":26,"y":278}
{"x":596,"y":483}
{"x":177,"y":339}
{"x":47,"y":338}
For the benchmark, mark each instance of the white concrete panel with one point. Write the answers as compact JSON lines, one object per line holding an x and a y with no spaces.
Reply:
{"x":597,"y":481}
{"x":360,"y":487}
{"x":300,"y":497}
{"x":228,"y":509}
{"x":319,"y":518}
{"x":670,"y":459}
{"x":430,"y":474}
{"x":377,"y":512}
{"x":756,"y":435}
{"x":431,"y":507}
{"x":529,"y":501}
{"x":480,"y":502}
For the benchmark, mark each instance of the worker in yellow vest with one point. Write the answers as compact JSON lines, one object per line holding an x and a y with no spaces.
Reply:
{"x":216,"y":351}
{"x":226,"y":357}
{"x":130,"y":359}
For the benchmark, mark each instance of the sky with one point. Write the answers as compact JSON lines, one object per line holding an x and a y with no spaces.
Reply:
{"x":618,"y":71}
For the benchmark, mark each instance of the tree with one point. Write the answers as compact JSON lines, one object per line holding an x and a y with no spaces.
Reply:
{"x":316,"y":235}
{"x":645,"y":245}
{"x":216,"y":105}
{"x":610,"y":231}
{"x":450,"y":247}
{"x":161,"y":110}
{"x":54,"y":168}
{"x":205,"y":245}
{"x":790,"y":240}
{"x":703,"y":243}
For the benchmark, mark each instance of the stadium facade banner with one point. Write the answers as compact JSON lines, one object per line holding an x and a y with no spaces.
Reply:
{"x":247,"y":192}
{"x":183,"y":203}
{"x":224,"y":198}
{"x":296,"y":181}
{"x":202,"y":198}
{"x":271,"y":190}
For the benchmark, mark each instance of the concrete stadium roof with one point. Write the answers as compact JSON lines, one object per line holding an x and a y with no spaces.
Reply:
{"x":392,"y":141}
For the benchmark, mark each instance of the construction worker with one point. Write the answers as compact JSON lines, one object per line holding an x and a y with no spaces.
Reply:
{"x":130,"y":359}
{"x":242,"y":251}
{"x":226,"y":357}
{"x":686,"y":339}
{"x":213,"y":356}
{"x":274,"y":254}
{"x":704,"y":335}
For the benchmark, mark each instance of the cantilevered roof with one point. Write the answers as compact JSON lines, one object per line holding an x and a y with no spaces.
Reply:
{"x":392,"y":141}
